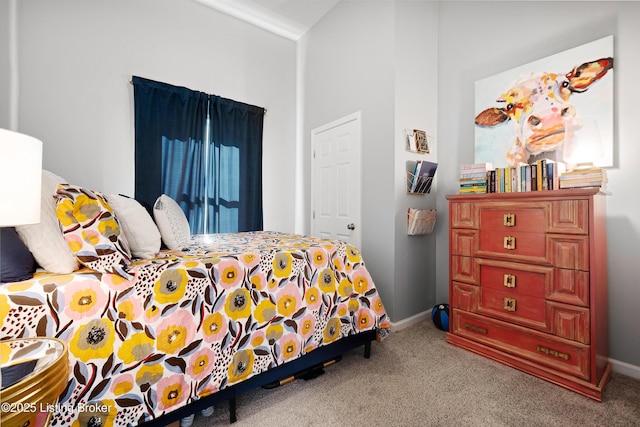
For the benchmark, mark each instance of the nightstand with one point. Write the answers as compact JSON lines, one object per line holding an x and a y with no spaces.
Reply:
{"x":34,"y":373}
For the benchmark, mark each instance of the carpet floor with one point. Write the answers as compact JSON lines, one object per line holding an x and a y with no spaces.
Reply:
{"x":414,"y":378}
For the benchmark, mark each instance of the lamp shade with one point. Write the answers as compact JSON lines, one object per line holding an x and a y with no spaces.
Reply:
{"x":20,"y":178}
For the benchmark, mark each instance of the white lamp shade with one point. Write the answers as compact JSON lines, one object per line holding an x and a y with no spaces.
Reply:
{"x":20,"y":178}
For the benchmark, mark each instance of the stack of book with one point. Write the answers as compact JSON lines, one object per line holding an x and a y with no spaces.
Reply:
{"x":473,"y":177}
{"x":540,"y":175}
{"x":584,"y":176}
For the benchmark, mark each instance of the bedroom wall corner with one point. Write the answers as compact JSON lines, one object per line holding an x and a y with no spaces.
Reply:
{"x":416,"y":96}
{"x":349,"y":67}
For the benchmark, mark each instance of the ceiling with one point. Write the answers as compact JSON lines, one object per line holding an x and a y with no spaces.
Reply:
{"x":287,"y":18}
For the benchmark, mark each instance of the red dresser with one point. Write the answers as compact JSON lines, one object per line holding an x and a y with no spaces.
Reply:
{"x":528,"y":283}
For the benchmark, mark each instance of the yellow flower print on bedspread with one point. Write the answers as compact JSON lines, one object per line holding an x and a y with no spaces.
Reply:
{"x":265,"y":311}
{"x":188,"y":325}
{"x":4,"y":309}
{"x":136,"y":348}
{"x":93,"y":340}
{"x":171,"y":286}
{"x":84,"y":299}
{"x":122,"y":384}
{"x":215,"y":327}
{"x":172,"y":391}
{"x":241,"y":367}
{"x":290,"y":347}
{"x":289,"y":300}
{"x":201,"y":363}
{"x":149,"y":374}
{"x":327,"y":281}
{"x":332,"y":330}
{"x":282,"y":264}
{"x":239,"y":304}
{"x":231,"y":274}
{"x":175,"y":332}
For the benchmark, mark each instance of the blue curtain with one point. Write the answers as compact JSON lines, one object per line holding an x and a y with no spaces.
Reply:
{"x":236,"y":134}
{"x":203,"y":151}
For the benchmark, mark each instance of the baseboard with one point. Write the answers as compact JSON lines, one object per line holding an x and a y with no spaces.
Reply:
{"x":409,"y":321}
{"x":625,"y":368}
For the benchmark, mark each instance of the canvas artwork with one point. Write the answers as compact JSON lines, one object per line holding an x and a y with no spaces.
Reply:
{"x":559,"y":108}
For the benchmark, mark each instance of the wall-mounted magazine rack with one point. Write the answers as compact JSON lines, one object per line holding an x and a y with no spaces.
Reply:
{"x":417,"y":141}
{"x":420,"y":176}
{"x":420,"y":221}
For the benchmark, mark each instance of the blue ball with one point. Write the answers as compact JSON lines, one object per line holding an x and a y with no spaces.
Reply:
{"x":440,"y":316}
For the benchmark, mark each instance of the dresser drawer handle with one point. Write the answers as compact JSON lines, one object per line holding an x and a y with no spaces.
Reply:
{"x":509,"y":220}
{"x":510,"y":304}
{"x":509,"y":242}
{"x":475,"y":328}
{"x":550,"y":352}
{"x":509,"y":281}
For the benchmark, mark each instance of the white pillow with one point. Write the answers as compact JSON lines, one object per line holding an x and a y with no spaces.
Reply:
{"x":45,"y":239}
{"x":142,"y":234}
{"x":172,"y":222}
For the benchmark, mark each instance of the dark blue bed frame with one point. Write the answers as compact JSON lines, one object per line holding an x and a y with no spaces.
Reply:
{"x":310,"y":361}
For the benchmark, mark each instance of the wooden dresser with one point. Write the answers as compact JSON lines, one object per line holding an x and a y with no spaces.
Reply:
{"x":528,"y":283}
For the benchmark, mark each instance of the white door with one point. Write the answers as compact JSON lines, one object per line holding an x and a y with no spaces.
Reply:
{"x":335,"y":180}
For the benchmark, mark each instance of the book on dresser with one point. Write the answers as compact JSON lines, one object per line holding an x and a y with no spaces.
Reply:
{"x":528,"y":283}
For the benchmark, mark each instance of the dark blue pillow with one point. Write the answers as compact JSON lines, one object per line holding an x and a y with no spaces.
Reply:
{"x":16,"y":262}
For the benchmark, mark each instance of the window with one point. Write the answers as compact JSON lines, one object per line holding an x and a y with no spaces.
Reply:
{"x":204,"y":151}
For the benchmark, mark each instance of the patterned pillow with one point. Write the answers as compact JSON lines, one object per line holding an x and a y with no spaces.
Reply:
{"x":92,"y":231}
{"x":172,"y":223}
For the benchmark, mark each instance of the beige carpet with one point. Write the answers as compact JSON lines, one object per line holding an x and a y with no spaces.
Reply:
{"x":414,"y":378}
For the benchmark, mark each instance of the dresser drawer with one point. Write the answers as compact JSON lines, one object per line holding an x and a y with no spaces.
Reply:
{"x":566,"y":356}
{"x":524,"y":310}
{"x":464,"y":241}
{"x":513,"y":217}
{"x":517,"y":245}
{"x":518,"y":278}
{"x":463,"y":215}
{"x":465,"y":297}
{"x":562,"y":320}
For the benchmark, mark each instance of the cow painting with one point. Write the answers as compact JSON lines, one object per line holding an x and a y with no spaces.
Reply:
{"x":540,"y":110}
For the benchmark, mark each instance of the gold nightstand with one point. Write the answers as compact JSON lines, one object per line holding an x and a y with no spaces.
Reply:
{"x":34,"y":372}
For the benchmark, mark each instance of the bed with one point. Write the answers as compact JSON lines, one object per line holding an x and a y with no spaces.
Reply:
{"x":192,"y":326}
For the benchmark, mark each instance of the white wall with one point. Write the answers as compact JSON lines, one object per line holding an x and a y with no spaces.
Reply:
{"x":76,"y":59}
{"x":348,"y":67}
{"x":479,"y":39}
{"x":5,"y":75}
{"x":377,"y":57}
{"x":416,"y":102}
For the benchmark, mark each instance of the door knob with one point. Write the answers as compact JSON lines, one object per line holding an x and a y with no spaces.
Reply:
{"x":351,"y":226}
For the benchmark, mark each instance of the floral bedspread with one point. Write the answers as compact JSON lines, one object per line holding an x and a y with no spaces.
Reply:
{"x":192,"y":322}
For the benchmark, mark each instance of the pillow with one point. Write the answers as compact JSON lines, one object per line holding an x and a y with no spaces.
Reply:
{"x":92,"y":231}
{"x":44,"y":240}
{"x":142,"y":233}
{"x":172,"y":222}
{"x":16,"y":262}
